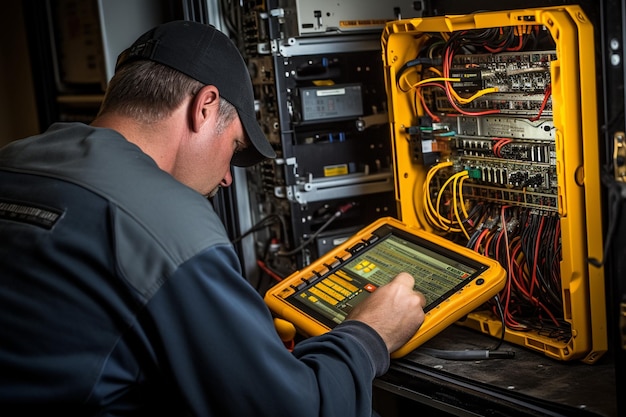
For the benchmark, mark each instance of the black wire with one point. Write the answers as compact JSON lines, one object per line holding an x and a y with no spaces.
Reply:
{"x":265,"y":222}
{"x":551,"y":253}
{"x":496,"y":300}
{"x":508,"y":41}
{"x":493,"y":245}
{"x":416,"y":62}
{"x":475,"y":354}
{"x":537,"y":258}
{"x":530,"y":239}
{"x":312,"y":237}
{"x":472,"y":241}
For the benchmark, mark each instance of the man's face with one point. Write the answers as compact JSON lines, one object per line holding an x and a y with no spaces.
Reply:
{"x":204,"y":161}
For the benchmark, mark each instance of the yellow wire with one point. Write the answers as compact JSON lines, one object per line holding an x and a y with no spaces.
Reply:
{"x":433,"y":213}
{"x":428,"y":205}
{"x":434,"y":79}
{"x":454,"y":179}
{"x":457,"y":97}
{"x":441,"y":190}
{"x":421,"y":82}
{"x":419,"y":214}
{"x":458,"y":177}
{"x":461,"y":199}
{"x":436,"y":71}
{"x":432,"y":220}
{"x":478,"y":94}
{"x":431,"y":173}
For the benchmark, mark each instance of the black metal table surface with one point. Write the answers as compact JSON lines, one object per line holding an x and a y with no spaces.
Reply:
{"x":530,"y":384}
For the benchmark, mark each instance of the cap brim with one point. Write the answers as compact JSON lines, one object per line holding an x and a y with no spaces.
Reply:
{"x":259,"y":150}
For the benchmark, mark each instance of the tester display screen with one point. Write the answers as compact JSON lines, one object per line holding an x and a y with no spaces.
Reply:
{"x":438,"y":274}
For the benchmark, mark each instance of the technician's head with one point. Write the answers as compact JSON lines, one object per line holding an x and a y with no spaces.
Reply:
{"x":193,"y":65}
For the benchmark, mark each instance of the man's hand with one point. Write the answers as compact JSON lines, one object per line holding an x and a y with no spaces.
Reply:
{"x":394,"y":310}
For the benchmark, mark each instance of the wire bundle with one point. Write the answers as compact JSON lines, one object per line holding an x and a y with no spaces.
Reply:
{"x":439,"y":51}
{"x":456,"y":213}
{"x":526,"y":242}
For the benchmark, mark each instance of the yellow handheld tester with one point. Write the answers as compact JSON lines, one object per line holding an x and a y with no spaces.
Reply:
{"x":454,"y":279}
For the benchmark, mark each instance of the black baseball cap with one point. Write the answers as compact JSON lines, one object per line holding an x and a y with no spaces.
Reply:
{"x":209,"y":56}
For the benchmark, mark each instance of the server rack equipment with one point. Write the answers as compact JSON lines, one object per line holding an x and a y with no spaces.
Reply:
{"x":495,"y":146}
{"x":322,"y":103}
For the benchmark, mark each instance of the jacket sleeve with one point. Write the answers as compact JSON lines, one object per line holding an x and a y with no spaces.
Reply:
{"x":220,"y":347}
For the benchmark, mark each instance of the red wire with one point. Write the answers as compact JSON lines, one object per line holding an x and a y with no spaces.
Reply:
{"x":536,"y":255}
{"x":508,"y":317}
{"x":517,"y":274}
{"x":534,"y":279}
{"x":557,"y":235}
{"x":479,"y":239}
{"x":495,"y":147}
{"x":487,"y":243}
{"x":500,"y":142}
{"x":269,"y":272}
{"x":447,"y":63}
{"x":418,"y":92}
{"x":519,"y":45}
{"x":500,"y":47}
{"x":546,"y":96}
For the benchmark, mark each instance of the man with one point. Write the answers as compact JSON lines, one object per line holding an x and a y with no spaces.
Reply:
{"x":120,"y":293}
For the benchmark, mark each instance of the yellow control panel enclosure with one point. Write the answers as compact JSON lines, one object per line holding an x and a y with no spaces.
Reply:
{"x":576,"y":143}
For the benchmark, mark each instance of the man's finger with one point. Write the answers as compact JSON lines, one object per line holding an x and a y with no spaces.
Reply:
{"x":405,"y":279}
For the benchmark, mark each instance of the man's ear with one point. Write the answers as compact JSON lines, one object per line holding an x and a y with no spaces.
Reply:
{"x":204,"y":106}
